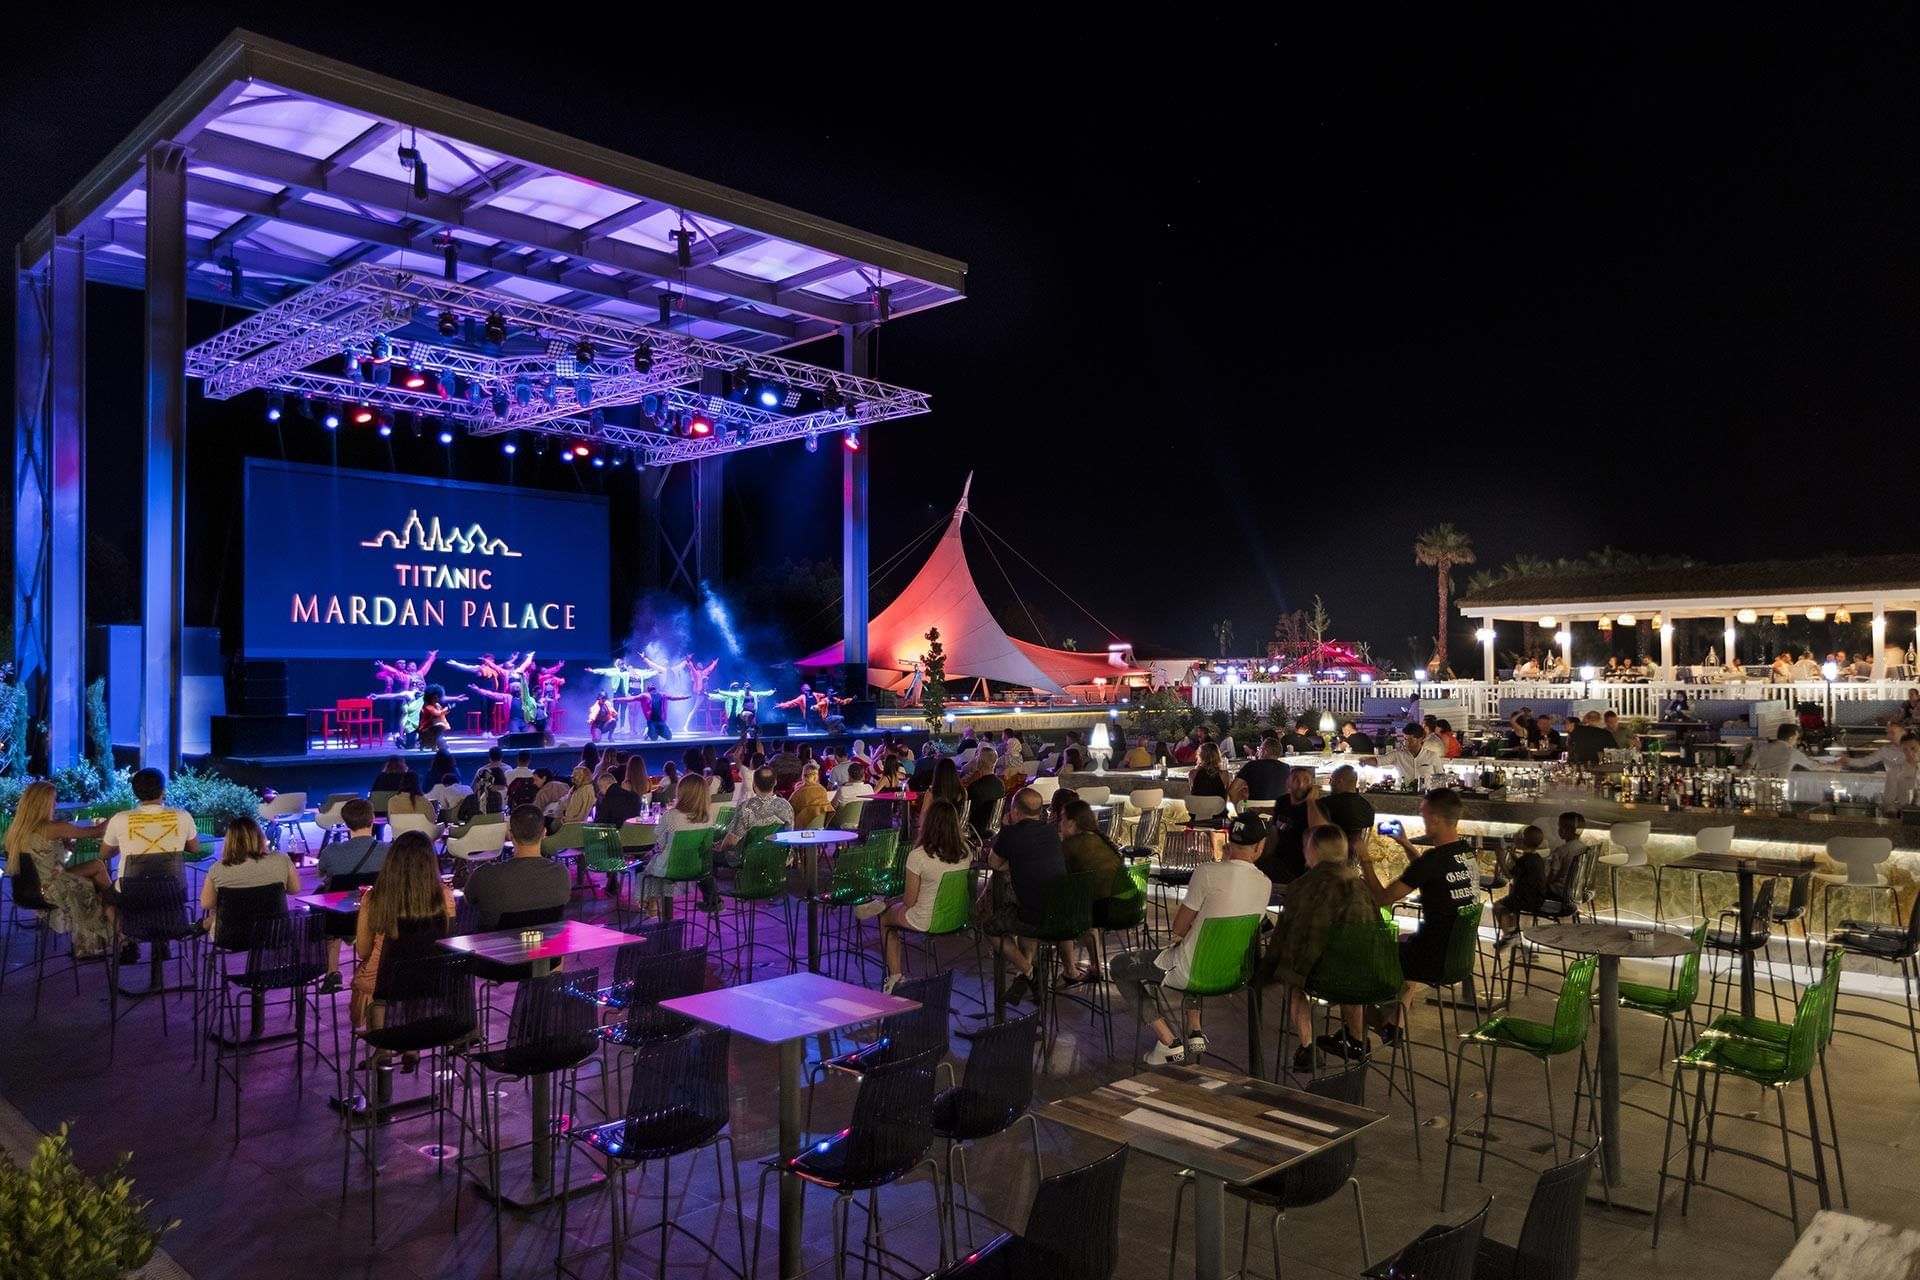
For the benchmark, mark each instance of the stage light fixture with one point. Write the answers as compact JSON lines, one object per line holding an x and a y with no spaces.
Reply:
{"x":581,"y":450}
{"x":523,"y":390}
{"x":700,"y":425}
{"x":665,"y":303}
{"x":412,"y":160}
{"x":449,"y":324}
{"x":496,"y":330}
{"x":500,"y":404}
{"x":682,"y":245}
{"x":276,"y":405}
{"x":450,"y":252}
{"x":882,"y":305}
{"x":642,"y":358}
{"x":619,"y":459}
{"x":597,"y":420}
{"x":446,"y":435}
{"x":550,"y":393}
{"x":599,"y":462}
{"x":583,"y":390}
{"x":363,"y":415}
{"x":831,"y":399}
{"x":382,"y":350}
{"x":354,"y":372}
{"x":332,"y":418}
{"x":236,"y":279}
{"x":851,"y":440}
{"x":382,"y":374}
{"x":650,"y":405}
{"x":566,"y":455}
{"x":385,"y":428}
{"x":416,"y":379}
{"x":509,"y":448}
{"x":584,"y":352}
{"x":813,"y":444}
{"x":772,"y":395}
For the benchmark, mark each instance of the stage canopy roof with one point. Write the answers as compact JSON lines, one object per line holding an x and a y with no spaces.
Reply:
{"x":294,"y":174}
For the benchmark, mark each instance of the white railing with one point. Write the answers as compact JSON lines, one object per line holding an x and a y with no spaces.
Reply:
{"x":1265,"y":698}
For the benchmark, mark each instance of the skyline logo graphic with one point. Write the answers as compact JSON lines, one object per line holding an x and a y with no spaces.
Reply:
{"x":414,"y":535}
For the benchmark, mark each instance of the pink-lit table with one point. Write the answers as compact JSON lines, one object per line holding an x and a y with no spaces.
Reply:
{"x":810,"y":841}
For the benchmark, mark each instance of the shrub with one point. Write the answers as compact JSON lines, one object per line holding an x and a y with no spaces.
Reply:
{"x":99,"y":737}
{"x":77,"y":783}
{"x":209,"y":796}
{"x":56,"y":1223}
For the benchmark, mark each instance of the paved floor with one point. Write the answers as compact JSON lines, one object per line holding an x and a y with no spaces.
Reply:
{"x":271,"y":1206}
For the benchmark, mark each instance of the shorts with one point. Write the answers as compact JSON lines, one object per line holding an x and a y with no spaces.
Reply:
{"x":1423,"y":956}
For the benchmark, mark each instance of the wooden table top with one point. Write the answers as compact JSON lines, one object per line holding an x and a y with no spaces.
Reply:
{"x":1790,"y":867}
{"x":566,"y":938}
{"x":790,"y":1007}
{"x":1612,"y":940}
{"x":826,"y":835}
{"x":1231,"y":1127}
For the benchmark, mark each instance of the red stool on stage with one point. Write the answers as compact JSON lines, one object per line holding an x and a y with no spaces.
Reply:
{"x":476,"y":722}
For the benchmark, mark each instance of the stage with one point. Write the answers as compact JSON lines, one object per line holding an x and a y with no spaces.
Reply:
{"x":329,"y":768}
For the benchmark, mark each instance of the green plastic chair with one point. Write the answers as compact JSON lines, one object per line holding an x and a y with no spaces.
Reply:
{"x":1361,"y":965}
{"x":1542,"y":1041}
{"x":856,"y":872}
{"x":1066,"y":917}
{"x":760,"y":878}
{"x":953,"y":914}
{"x":1222,"y":958}
{"x":689,"y":859}
{"x":889,"y":863}
{"x":1671,"y":1003}
{"x":1765,"y":1059}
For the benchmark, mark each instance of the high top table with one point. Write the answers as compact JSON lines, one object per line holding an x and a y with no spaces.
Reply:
{"x":810,"y":841}
{"x":1744,"y":869}
{"x":504,"y":946}
{"x":1612,"y":942}
{"x":1224,"y":1127}
{"x":786,"y":1011}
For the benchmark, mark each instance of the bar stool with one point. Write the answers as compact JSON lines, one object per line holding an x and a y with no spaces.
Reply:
{"x":1629,"y":841}
{"x":1706,"y":840}
{"x":1901,"y":946}
{"x":1859,"y":855}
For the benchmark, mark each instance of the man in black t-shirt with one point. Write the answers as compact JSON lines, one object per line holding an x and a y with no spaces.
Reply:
{"x":1343,"y":805}
{"x":1301,"y":738}
{"x":1447,"y":880}
{"x":1355,"y":741}
{"x":1284,"y":860}
{"x":1027,"y":850}
{"x":1266,"y":777}
{"x":1588,"y":740}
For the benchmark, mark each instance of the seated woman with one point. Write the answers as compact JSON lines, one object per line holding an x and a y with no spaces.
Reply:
{"x":1332,"y":892}
{"x":403,"y":915}
{"x":941,"y":851}
{"x":79,"y":893}
{"x":692,"y":811}
{"x":408,"y":800}
{"x":1208,"y":777}
{"x":245,"y":863}
{"x":580,"y":800}
{"x":810,"y":800}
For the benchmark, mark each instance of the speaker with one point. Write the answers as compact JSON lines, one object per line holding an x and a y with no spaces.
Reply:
{"x":258,"y":735}
{"x":860,"y":714}
{"x":773,"y":728}
{"x":529,"y":741}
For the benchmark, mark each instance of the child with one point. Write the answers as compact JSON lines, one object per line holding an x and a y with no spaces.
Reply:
{"x":1527,"y":887}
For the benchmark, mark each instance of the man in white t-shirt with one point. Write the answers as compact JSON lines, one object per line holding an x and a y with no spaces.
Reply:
{"x":856,"y":787}
{"x":1231,"y":887}
{"x":449,"y":793}
{"x":151,"y":838}
{"x":522,"y":767}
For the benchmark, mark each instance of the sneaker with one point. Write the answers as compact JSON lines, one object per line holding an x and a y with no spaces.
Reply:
{"x":892,"y":980}
{"x":869,"y":909}
{"x":1303,"y":1060}
{"x":1196,"y":1045}
{"x":1334,"y":1046}
{"x":1357,"y":1050}
{"x":330,"y":984}
{"x":1389,"y":1033}
{"x":1018,"y":990}
{"x":1162,"y":1055}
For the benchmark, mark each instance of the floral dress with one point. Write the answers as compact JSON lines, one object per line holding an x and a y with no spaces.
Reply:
{"x":79,"y":910}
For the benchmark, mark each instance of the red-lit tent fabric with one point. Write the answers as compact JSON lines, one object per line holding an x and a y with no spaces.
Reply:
{"x":944,"y":595}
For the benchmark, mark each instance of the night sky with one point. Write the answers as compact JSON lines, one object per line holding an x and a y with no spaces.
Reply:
{"x":1248,"y":308}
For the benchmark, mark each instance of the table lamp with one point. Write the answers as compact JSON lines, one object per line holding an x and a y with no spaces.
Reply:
{"x":1327,"y":729}
{"x":1100,"y":747}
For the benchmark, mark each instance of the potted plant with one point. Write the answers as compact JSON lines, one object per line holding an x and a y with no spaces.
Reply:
{"x":56,"y":1223}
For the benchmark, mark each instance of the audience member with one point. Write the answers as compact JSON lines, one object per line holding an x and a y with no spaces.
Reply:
{"x":245,"y":863}
{"x":1330,"y":894}
{"x":526,"y":881}
{"x":406,"y":912}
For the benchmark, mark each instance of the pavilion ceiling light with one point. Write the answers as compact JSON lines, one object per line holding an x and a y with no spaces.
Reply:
{"x":1746,"y":615}
{"x":1843,"y":615}
{"x":1816,"y":614}
{"x":1626,"y":619}
{"x":1549,"y":622}
{"x":1779,"y":617}
{"x":1659,"y":619}
{"x":1606,"y":622}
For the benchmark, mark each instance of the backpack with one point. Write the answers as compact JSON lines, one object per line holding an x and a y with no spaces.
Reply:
{"x":522,"y":791}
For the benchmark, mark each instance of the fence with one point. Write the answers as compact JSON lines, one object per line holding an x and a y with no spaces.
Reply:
{"x":1266,"y":698}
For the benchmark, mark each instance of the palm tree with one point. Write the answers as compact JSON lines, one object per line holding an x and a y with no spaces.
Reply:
{"x":1443,"y":547}
{"x":1223,"y":631}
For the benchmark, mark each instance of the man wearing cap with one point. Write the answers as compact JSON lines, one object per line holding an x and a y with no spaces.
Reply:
{"x":1231,"y":887}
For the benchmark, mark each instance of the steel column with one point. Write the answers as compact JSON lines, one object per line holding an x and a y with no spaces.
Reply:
{"x":162,"y":549}
{"x":856,"y":358}
{"x":708,"y":495}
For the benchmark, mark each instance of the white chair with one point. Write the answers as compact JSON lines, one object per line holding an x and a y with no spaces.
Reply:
{"x":1629,"y":841}
{"x":1147,"y":798}
{"x":398,"y":822}
{"x":1705,"y":840}
{"x":1860,"y":855}
{"x":274,"y":815}
{"x":1096,"y":795}
{"x":329,"y":820}
{"x":483,"y":840}
{"x":1046,"y":787}
{"x":1205,"y":808}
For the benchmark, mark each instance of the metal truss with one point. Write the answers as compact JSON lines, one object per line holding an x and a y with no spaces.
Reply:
{"x":276,"y":349}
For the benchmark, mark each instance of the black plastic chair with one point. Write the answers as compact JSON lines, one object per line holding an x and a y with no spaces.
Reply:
{"x":234,"y":913}
{"x":287,"y":953}
{"x":888,"y":1138}
{"x":1886,"y":942}
{"x":678,"y":1104}
{"x":649,"y":980}
{"x":1438,"y":1253}
{"x":1799,"y":904}
{"x":1312,"y":1181}
{"x":1073,"y":1229}
{"x":497,"y":974}
{"x":153,"y":909}
{"x":994,"y":1094}
{"x":1549,"y":1247}
{"x":28,"y":897}
{"x":1729,"y":940}
{"x":902,"y":1035}
{"x":425,"y":1004}
{"x":549,"y":1033}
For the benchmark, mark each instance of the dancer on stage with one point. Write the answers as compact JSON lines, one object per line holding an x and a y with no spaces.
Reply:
{"x":740,"y":703}
{"x":411,"y":676}
{"x":619,"y":685}
{"x":812,"y":705}
{"x":547,"y":682}
{"x":423,"y":716}
{"x":602,"y":717}
{"x":697,"y":677}
{"x":522,"y":708}
{"x":653,"y":706}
